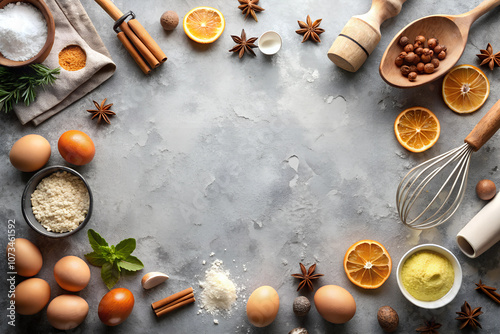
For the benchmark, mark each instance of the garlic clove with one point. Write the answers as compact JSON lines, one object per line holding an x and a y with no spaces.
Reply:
{"x":152,"y":279}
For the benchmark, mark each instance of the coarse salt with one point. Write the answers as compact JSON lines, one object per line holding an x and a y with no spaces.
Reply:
{"x":219,"y":292}
{"x":23,"y":31}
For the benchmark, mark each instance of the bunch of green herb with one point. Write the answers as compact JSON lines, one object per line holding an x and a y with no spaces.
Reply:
{"x":112,"y":259}
{"x":19,"y":84}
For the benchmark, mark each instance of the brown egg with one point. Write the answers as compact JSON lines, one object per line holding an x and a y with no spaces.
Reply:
{"x":27,"y":257}
{"x":262,"y":306}
{"x":30,"y":153}
{"x":486,"y":190}
{"x":31,"y":296}
{"x":67,"y":311}
{"x":72,"y":273}
{"x":335,"y":304}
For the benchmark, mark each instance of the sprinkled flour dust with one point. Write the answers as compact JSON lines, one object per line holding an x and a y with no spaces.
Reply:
{"x":219,"y":293}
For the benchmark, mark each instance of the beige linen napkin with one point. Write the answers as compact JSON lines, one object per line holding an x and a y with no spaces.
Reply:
{"x":73,"y":27}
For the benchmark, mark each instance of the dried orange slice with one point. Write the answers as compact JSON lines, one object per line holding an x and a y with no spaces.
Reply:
{"x":465,"y":89}
{"x":204,"y":24}
{"x":417,"y":129}
{"x":367,"y":264}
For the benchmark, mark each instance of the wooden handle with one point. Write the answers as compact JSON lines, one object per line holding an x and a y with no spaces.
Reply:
{"x":380,"y":11}
{"x":484,"y":7}
{"x":110,"y":8}
{"x":485,"y":129}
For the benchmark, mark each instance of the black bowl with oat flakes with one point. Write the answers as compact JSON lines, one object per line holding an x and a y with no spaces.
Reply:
{"x":61,"y":199}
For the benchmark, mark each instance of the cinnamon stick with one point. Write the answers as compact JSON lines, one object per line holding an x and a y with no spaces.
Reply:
{"x":174,"y":307}
{"x":186,"y":297}
{"x":170,"y":299}
{"x":146,"y":38}
{"x":133,"y":52}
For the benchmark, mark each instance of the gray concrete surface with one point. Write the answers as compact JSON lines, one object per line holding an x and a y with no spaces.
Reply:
{"x":265,"y":162}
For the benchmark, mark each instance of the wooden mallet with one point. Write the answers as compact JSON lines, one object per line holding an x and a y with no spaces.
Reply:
{"x":361,"y":35}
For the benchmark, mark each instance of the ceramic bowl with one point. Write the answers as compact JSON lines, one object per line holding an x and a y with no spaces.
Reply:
{"x":270,"y":43}
{"x":26,"y":202}
{"x":51,"y":31}
{"x":456,"y":284}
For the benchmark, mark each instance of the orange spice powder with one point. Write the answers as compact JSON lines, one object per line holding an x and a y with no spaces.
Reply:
{"x":72,"y":58}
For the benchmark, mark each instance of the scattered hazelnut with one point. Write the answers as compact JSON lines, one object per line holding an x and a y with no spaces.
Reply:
{"x":298,"y":330}
{"x":403,"y":41}
{"x":420,"y":39}
{"x":428,"y":68}
{"x":169,"y":20}
{"x":432,"y":43}
{"x":420,"y":67}
{"x":301,"y":306}
{"x":486,"y":190}
{"x":441,"y":55}
{"x":419,"y":51}
{"x":399,"y":61}
{"x":405,"y":70}
{"x":388,"y":319}
{"x":435,"y":62}
{"x":408,"y":48}
{"x":412,"y":76}
{"x":410,"y":57}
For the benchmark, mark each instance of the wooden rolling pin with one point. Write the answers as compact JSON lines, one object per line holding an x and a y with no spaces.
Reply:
{"x":132,"y":32}
{"x":361,"y":35}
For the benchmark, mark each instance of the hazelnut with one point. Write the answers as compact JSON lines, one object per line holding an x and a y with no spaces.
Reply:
{"x":432,"y":43}
{"x":419,"y":51}
{"x":441,"y":55}
{"x":438,"y":49}
{"x":403,"y":41}
{"x":420,"y":67}
{"x":412,"y":76}
{"x":399,"y":61}
{"x":413,"y":68}
{"x":416,"y":60}
{"x":408,"y":48}
{"x":301,"y":306}
{"x":420,"y":39}
{"x":402,"y":54}
{"x":486,"y":190}
{"x":405,"y":70}
{"x":425,"y":58}
{"x":417,"y":45}
{"x":435,"y":62}
{"x":428,"y":68}
{"x":410,"y":57}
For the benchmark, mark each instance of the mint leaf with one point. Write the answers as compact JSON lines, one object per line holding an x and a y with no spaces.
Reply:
{"x":125,"y":248}
{"x":96,"y":240}
{"x":110,"y":274}
{"x":95,"y":259}
{"x":131,"y":263}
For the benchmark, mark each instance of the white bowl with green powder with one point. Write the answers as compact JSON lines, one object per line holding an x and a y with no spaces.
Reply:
{"x":429,"y":276}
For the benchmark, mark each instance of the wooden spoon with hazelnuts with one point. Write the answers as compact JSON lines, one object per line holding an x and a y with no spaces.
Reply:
{"x":419,"y":39}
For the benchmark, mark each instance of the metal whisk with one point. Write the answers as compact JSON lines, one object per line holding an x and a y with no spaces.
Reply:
{"x":453,"y":166}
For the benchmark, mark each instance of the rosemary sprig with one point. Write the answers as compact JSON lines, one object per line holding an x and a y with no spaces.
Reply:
{"x":20,"y":84}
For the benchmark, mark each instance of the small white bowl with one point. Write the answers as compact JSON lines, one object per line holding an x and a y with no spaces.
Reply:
{"x":456,"y":283}
{"x":270,"y":43}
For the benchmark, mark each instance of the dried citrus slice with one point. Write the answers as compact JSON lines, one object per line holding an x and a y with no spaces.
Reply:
{"x":465,"y":89}
{"x":367,"y":264}
{"x":204,"y":24}
{"x":417,"y":129}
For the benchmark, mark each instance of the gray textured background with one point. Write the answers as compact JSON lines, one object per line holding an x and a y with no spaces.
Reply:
{"x":266,"y":162}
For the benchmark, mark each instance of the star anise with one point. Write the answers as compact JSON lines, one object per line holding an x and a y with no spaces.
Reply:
{"x":489,"y":291}
{"x":102,"y":111}
{"x":250,"y":7}
{"x":307,"y":276}
{"x":489,"y":58}
{"x":429,"y":327}
{"x":310,"y":29}
{"x":242,"y":44}
{"x":469,"y":316}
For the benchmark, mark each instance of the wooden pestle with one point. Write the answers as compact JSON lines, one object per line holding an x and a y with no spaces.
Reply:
{"x":361,"y":35}
{"x":139,"y":37}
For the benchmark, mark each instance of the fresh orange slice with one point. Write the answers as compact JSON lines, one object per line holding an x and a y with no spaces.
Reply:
{"x":367,"y":264}
{"x":417,"y":129}
{"x":204,"y":24}
{"x":465,"y":89}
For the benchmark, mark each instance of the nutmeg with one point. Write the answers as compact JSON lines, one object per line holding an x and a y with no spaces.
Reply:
{"x":388,"y":319}
{"x":429,"y":68}
{"x":301,"y":306}
{"x":169,"y":20}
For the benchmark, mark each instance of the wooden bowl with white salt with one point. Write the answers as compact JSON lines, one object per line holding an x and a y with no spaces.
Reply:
{"x":15,"y":42}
